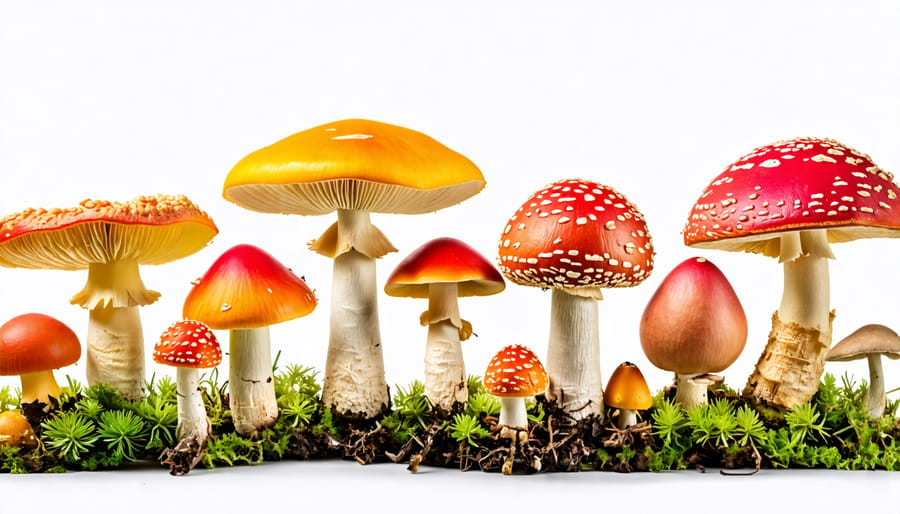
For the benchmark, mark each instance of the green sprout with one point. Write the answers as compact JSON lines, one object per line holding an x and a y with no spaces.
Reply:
{"x":70,"y":435}
{"x":465,"y":428}
{"x":123,"y":432}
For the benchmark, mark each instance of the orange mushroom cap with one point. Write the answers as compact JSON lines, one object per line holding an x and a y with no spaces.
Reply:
{"x":515,"y":371}
{"x":627,"y":389}
{"x":444,"y":260}
{"x":188,"y":344}
{"x":34,"y":342}
{"x":247,"y":288}
{"x":15,"y":430}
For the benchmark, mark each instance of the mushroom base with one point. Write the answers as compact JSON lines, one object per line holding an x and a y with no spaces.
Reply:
{"x":446,"y":385}
{"x":789,"y":369}
{"x":251,"y":385}
{"x":115,"y":350}
{"x":192,"y":420}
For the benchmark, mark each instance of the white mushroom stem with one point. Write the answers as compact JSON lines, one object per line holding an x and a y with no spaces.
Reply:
{"x":115,"y":350}
{"x":573,"y":355}
{"x":39,"y":385}
{"x":192,"y":419}
{"x":627,"y":418}
{"x":513,"y":417}
{"x":789,"y":370}
{"x":875,"y":398}
{"x":690,"y":393}
{"x":446,"y":385}
{"x":251,"y":386}
{"x":354,"y":384}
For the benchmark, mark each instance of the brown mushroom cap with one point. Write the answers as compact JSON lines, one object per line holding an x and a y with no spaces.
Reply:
{"x":866,"y":340}
{"x":579,"y":236}
{"x":515,"y":371}
{"x":147,"y":229}
{"x":627,"y":389}
{"x":444,"y":260}
{"x":353,"y":164}
{"x":34,"y":342}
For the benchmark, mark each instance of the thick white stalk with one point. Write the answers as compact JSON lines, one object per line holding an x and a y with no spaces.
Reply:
{"x":573,"y":355}
{"x":875,"y":398}
{"x":513,"y":413}
{"x":115,"y":350}
{"x":354,"y":384}
{"x":192,"y":420}
{"x":445,"y":373}
{"x":689,"y":393}
{"x":806,"y":299}
{"x":251,"y":386}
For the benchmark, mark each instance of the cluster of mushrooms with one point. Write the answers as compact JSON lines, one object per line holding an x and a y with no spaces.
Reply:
{"x":789,"y":200}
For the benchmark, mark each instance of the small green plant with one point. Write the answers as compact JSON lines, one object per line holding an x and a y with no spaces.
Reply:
{"x":123,"y":432}
{"x":71,"y":436}
{"x":465,"y":428}
{"x":483,"y":404}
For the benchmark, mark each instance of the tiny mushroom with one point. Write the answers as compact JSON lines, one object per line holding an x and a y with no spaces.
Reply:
{"x":16,"y":431}
{"x":353,"y":167}
{"x":442,"y":270}
{"x":790,"y":200}
{"x":110,"y":240}
{"x":694,"y":325}
{"x":627,"y":391}
{"x":189,"y":345}
{"x":32,"y":346}
{"x":515,"y":373}
{"x":576,"y":237}
{"x":869,"y":342}
{"x":245,"y":290}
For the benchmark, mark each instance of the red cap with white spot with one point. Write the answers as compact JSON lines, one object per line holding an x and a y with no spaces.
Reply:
{"x":577,"y":235}
{"x":795,"y":184}
{"x":188,"y":344}
{"x":515,"y":371}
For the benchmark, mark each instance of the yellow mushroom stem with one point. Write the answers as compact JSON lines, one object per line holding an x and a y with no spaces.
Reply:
{"x":39,"y":385}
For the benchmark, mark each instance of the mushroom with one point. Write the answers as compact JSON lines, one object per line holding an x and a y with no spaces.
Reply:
{"x":353,"y":167}
{"x":576,"y":237}
{"x":189,"y":345}
{"x":110,"y":240}
{"x":870,"y":342}
{"x":790,"y":200}
{"x":16,"y":431}
{"x":245,"y":290}
{"x":627,"y":391}
{"x":694,"y":325}
{"x":515,"y":373}
{"x":442,"y":270}
{"x":32,"y":346}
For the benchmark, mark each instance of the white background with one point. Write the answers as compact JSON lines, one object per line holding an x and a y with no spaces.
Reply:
{"x":111,"y":100}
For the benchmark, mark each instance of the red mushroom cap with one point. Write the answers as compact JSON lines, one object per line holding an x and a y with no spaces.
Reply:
{"x":444,"y":260}
{"x":694,"y":322}
{"x":248,"y":288}
{"x":515,"y":371}
{"x":577,"y":235}
{"x":36,"y":342}
{"x":188,"y":344}
{"x":793,"y":185}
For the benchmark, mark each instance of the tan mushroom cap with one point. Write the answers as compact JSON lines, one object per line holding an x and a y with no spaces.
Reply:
{"x":444,"y":260}
{"x":866,"y":340}
{"x":353,"y":164}
{"x":148,"y":230}
{"x":627,"y":389}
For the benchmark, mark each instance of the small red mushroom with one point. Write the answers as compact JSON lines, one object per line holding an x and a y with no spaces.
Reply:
{"x":515,"y":373}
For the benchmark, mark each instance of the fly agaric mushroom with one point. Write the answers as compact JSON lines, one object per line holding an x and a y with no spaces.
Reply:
{"x":870,"y":342}
{"x":576,"y":237}
{"x":32,"y":346}
{"x":627,"y":391}
{"x":353,"y":167}
{"x":789,"y":200}
{"x":515,"y":373}
{"x":16,"y":431}
{"x":442,"y":270}
{"x":110,"y":240}
{"x":189,"y":345}
{"x":693,"y":325}
{"x":245,"y":290}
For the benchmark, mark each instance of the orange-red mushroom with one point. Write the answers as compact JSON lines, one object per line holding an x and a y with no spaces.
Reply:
{"x":32,"y":346}
{"x":515,"y":373}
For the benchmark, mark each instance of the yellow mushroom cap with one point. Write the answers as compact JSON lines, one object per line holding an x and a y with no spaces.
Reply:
{"x":627,"y":389}
{"x":353,"y":164}
{"x":15,"y":430}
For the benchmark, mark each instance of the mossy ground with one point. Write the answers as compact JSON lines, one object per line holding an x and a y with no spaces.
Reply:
{"x":94,"y":428}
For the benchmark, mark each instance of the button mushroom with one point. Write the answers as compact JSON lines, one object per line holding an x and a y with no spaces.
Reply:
{"x":869,"y":342}
{"x":32,"y":346}
{"x":790,"y":200}
{"x":353,"y":167}
{"x":515,"y":373}
{"x":443,"y":270}
{"x":16,"y":431}
{"x":693,"y":325}
{"x":110,"y":240}
{"x":576,"y":237}
{"x":627,"y":391}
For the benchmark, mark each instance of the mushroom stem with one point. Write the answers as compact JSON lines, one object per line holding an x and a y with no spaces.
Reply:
{"x":251,"y":386}
{"x":115,"y":350}
{"x":789,"y":369}
{"x":690,"y":393}
{"x":40,"y":385}
{"x":513,"y":413}
{"x":446,"y":386}
{"x":573,"y":355}
{"x":354,"y":384}
{"x":627,"y":418}
{"x":192,"y":420}
{"x":875,"y":398}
